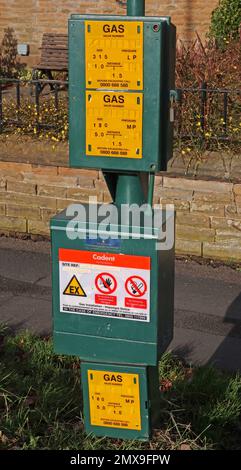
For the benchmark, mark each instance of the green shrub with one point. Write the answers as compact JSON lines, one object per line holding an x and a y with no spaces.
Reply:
{"x":226,"y":21}
{"x":9,"y":64}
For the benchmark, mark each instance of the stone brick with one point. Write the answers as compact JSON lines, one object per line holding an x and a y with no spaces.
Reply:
{"x":158,"y":180}
{"x":79,"y":173}
{"x":218,"y":197}
{"x":2,"y":209}
{"x":188,"y":247}
{"x":14,"y":168}
{"x":46,"y":214}
{"x":224,"y":222}
{"x":49,"y":180}
{"x":189,"y":218}
{"x":179,"y":205}
{"x":28,"y":200}
{"x":86,"y":181}
{"x":64,"y":203}
{"x":237,"y":190}
{"x":13,"y":177}
{"x":216,"y":209}
{"x":14,"y":224}
{"x":187,"y":232}
{"x":230,"y":209}
{"x":238,"y":201}
{"x":2,"y":184}
{"x":107,"y":197}
{"x":174,"y":194}
{"x":23,"y":211}
{"x":11,"y":174}
{"x":42,"y":170}
{"x":38,"y":227}
{"x":197,"y":185}
{"x":52,"y":191}
{"x":100,"y":185}
{"x":226,"y":251}
{"x":82,"y":194}
{"x":19,"y":187}
{"x":228,"y":234}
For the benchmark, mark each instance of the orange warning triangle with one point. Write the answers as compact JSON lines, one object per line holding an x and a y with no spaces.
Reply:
{"x":74,"y":288}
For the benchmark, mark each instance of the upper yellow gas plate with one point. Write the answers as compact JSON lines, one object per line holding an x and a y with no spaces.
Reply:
{"x":114,"y":54}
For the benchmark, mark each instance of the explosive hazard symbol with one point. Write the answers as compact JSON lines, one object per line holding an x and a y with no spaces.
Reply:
{"x":106,"y":283}
{"x":136,"y":286}
{"x":74,"y":288}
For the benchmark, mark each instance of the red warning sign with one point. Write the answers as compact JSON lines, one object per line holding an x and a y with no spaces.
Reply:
{"x":105,"y":283}
{"x":136,"y":286}
{"x":110,"y":285}
{"x":105,"y":299}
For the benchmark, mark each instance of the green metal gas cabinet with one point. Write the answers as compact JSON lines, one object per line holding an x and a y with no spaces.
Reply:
{"x":121,"y":73}
{"x":113,"y":297}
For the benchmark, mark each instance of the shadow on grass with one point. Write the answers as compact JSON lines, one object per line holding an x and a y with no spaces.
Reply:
{"x":230,"y":346}
{"x":41,"y":403}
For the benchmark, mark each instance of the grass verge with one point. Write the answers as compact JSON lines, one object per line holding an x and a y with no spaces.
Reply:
{"x":40,"y":402}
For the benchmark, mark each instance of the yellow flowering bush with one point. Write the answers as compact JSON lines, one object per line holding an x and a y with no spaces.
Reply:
{"x":44,"y":122}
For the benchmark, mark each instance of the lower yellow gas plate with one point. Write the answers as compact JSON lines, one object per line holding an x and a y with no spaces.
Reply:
{"x":114,"y":399}
{"x":114,"y":124}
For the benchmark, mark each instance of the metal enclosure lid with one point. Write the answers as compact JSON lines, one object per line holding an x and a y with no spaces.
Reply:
{"x":76,"y":16}
{"x":115,"y":230}
{"x":139,"y":341}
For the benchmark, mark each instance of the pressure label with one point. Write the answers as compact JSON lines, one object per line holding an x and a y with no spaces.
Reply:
{"x":114,"y":124}
{"x":114,"y":54}
{"x":114,"y":399}
{"x":104,"y":284}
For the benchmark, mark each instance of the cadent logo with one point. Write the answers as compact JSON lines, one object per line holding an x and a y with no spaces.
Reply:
{"x":103,"y":257}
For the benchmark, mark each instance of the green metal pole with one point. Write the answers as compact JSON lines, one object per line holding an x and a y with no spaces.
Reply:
{"x":136,"y":7}
{"x":129,"y":188}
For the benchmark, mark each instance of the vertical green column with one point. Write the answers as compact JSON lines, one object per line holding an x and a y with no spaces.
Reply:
{"x":136,"y":7}
{"x":130,"y":187}
{"x":129,"y":190}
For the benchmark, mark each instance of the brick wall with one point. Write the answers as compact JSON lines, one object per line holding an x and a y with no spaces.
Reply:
{"x":208,"y":212}
{"x":31,"y":18}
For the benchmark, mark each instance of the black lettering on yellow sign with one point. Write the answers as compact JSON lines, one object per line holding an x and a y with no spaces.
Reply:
{"x":114,"y":99}
{"x":74,"y":288}
{"x":112,"y":378}
{"x":114,"y":28}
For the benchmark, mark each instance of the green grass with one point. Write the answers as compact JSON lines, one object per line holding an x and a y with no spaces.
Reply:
{"x":41,"y":405}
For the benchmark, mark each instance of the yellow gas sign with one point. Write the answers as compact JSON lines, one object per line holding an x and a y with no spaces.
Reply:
{"x":114,"y":399}
{"x":114,"y":54}
{"x":114,"y":124}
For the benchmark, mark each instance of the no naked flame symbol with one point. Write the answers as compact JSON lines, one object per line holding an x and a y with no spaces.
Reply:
{"x":136,"y":286}
{"x":105,"y":283}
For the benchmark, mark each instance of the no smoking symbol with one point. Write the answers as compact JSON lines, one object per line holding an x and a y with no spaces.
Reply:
{"x":136,"y":286}
{"x":105,"y":283}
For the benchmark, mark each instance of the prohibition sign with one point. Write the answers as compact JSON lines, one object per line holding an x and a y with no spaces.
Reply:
{"x":136,"y":286}
{"x":105,"y":283}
